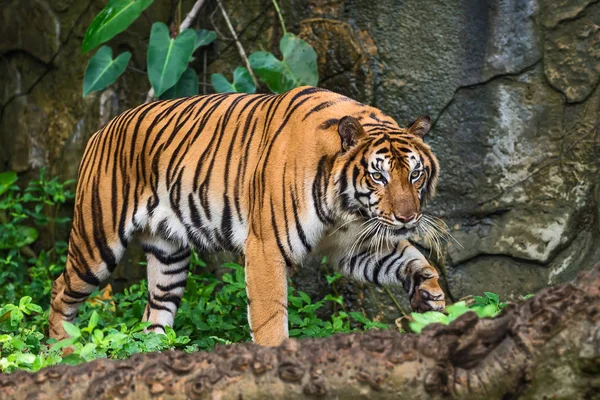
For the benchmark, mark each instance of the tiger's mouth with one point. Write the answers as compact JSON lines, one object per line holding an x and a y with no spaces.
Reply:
{"x":396,"y":229}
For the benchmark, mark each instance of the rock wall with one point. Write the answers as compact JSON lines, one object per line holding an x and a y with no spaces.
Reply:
{"x":511,"y":85}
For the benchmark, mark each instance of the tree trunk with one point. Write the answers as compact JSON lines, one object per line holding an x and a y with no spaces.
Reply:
{"x":545,"y":347}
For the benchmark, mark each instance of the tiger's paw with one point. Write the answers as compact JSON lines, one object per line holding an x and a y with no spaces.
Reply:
{"x":428,"y":295}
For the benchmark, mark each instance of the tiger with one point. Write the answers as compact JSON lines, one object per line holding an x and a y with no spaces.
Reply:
{"x":275,"y":177}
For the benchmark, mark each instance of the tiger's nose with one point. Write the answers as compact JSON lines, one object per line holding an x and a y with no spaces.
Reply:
{"x":406,"y":219}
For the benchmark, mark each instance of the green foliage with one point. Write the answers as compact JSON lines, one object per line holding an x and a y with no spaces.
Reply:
{"x":485,"y":307}
{"x":212,"y":311}
{"x":102,"y":70}
{"x":7,"y":179}
{"x":187,"y":85}
{"x":204,"y":37}
{"x":22,"y":213}
{"x":113,"y":19}
{"x":242,"y":82}
{"x":298,"y":67}
{"x":168,"y":57}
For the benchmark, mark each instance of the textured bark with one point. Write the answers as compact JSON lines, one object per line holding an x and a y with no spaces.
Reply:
{"x":546,"y":347}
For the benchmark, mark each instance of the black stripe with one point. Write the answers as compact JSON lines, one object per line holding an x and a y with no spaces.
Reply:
{"x":168,"y":298}
{"x":175,"y":271}
{"x":324,"y":105}
{"x":299,"y":228}
{"x":106,"y":252}
{"x":380,"y":263}
{"x":171,"y":286}
{"x":319,"y":195}
{"x":287,"y":260}
{"x":329,"y":123}
{"x":155,"y":306}
{"x":163,"y":257}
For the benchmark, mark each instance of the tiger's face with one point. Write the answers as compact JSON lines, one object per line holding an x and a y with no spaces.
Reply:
{"x":388,"y":174}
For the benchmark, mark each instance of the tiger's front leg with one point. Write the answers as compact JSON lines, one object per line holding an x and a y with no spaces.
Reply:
{"x":266,"y":286}
{"x":404,"y":265}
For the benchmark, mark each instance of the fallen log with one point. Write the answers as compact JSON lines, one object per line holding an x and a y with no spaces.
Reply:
{"x":546,"y":347}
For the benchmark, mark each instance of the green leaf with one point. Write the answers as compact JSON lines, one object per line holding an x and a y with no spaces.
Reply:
{"x":242,"y":82}
{"x":359,"y":317}
{"x":17,"y":344}
{"x":187,"y":85}
{"x":113,"y":19}
{"x":430,"y":317}
{"x":305,"y":297}
{"x":25,"y":358}
{"x":168,"y":58}
{"x":204,"y":37}
{"x":221,"y":84}
{"x":300,"y":58}
{"x":16,"y":316}
{"x":72,"y":359}
{"x":480,"y":301}
{"x":71,"y":329}
{"x":271,"y":71}
{"x":298,"y":67}
{"x":94,"y":318}
{"x":24,"y":301}
{"x":98,"y":335}
{"x":6,"y":180}
{"x":102,"y":70}
{"x":87,"y":349}
{"x":486,"y":311}
{"x":457,"y":309}
{"x":332,"y":278}
{"x":493,"y":297}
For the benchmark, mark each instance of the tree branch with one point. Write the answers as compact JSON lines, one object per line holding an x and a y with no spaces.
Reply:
{"x":237,"y":43}
{"x":546,"y":345}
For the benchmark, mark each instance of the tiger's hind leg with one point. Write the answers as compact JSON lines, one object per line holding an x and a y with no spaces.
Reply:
{"x":88,"y":264}
{"x":167,"y":276}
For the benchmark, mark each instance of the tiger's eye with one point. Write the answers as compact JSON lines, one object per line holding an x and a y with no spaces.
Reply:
{"x":377,"y":176}
{"x":415,"y":174}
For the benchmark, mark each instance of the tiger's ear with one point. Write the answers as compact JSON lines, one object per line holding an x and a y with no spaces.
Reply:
{"x":420,"y":127}
{"x":350,"y":131}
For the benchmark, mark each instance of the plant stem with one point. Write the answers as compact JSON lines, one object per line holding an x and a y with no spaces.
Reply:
{"x":280,"y":16}
{"x":179,"y":17}
{"x":237,"y":42}
{"x":395,"y":301}
{"x":335,"y":291}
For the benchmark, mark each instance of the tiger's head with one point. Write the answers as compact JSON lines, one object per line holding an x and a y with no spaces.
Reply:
{"x":387,"y":174}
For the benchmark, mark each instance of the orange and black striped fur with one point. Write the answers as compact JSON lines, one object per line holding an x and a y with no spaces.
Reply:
{"x":273,"y":176}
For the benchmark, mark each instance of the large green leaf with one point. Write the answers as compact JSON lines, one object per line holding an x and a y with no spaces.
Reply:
{"x":298,"y":67}
{"x":204,"y":37}
{"x":187,"y":85}
{"x":113,"y":19}
{"x":167,"y":57}
{"x":102,"y":70}
{"x":242,"y":82}
{"x":6,"y":180}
